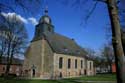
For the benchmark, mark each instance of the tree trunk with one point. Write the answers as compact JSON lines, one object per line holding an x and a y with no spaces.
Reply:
{"x":7,"y":70}
{"x":7,"y":66}
{"x":116,"y":41}
{"x":8,"y":60}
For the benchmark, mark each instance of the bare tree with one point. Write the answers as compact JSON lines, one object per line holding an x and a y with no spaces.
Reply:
{"x":27,"y":6}
{"x":2,"y":43}
{"x":90,"y":53}
{"x":116,"y":36}
{"x":15,"y":38}
{"x":108,"y":55}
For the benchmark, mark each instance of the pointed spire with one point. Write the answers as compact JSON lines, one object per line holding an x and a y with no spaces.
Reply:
{"x":46,"y":10}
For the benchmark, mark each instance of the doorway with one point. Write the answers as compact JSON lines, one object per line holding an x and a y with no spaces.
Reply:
{"x":33,"y":72}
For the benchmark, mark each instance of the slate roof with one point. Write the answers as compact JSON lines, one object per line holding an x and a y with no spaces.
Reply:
{"x":64,"y":45}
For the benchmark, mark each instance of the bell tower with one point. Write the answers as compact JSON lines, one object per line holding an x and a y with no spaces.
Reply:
{"x":44,"y":26}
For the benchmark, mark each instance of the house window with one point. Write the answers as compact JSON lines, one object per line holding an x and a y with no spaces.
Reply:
{"x":3,"y":68}
{"x":60,"y":62}
{"x":10,"y":69}
{"x":81,"y":63}
{"x":75,"y":63}
{"x":69,"y":63}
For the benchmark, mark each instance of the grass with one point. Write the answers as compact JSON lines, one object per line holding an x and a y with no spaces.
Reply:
{"x":37,"y":81}
{"x":100,"y":77}
{"x":104,"y":77}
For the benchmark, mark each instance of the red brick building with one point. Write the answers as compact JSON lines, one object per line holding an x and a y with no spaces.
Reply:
{"x":113,"y":68}
{"x":15,"y":68}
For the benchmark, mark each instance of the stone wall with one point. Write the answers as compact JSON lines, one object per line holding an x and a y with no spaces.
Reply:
{"x":40,"y":55}
{"x":14,"y":69}
{"x":90,"y":68}
{"x":33,"y":56}
{"x":72,"y":72}
{"x":46,"y":62}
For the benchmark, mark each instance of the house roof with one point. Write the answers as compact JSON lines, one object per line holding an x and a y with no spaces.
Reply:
{"x":64,"y":45}
{"x":15,"y":61}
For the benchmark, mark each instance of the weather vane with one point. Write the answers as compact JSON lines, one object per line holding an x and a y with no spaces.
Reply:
{"x":46,"y":10}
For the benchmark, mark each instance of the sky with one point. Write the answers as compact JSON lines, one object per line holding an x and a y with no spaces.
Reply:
{"x":67,"y":21}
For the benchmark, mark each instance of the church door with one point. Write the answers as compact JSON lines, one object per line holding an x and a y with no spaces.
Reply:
{"x":85,"y":72}
{"x":33,"y":72}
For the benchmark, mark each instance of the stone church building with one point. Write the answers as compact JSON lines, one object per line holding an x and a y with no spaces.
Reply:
{"x":52,"y":55}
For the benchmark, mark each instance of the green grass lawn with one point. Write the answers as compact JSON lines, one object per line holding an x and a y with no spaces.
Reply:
{"x":100,"y":77}
{"x":106,"y":77}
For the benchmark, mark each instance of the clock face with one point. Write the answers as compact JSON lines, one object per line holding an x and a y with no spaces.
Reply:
{"x":46,"y":20}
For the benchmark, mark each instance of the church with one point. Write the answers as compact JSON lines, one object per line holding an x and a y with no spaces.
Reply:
{"x":52,"y":55}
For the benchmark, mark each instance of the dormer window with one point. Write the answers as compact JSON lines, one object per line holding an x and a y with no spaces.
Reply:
{"x":65,"y":49}
{"x":78,"y":52}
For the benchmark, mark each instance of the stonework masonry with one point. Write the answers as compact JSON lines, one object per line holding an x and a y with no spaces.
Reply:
{"x":46,"y":62}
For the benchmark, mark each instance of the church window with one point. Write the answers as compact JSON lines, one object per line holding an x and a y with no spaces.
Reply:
{"x":75,"y":63}
{"x":60,"y":63}
{"x":90,"y":65}
{"x":49,"y":29}
{"x":81,"y":63}
{"x":69,"y":63}
{"x":78,"y":52}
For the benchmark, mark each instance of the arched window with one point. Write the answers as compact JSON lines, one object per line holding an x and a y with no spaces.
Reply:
{"x":90,"y":65}
{"x":69,"y":63}
{"x":60,"y":62}
{"x":81,"y":63}
{"x":75,"y":63}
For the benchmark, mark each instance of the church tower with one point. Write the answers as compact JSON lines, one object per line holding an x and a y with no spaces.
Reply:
{"x":44,"y":26}
{"x":39,"y":56}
